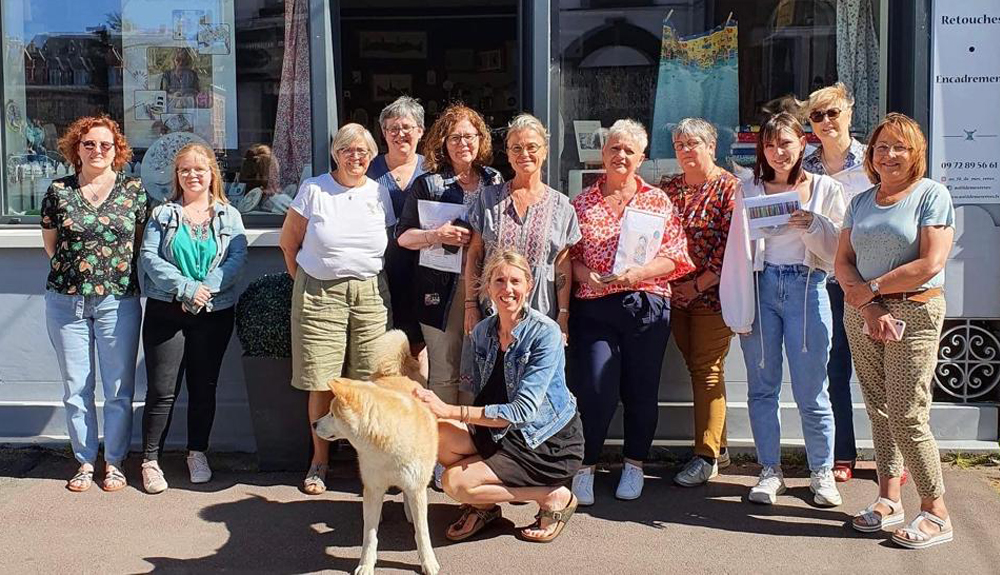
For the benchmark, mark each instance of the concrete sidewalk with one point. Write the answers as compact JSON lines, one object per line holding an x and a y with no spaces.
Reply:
{"x":248,"y":522}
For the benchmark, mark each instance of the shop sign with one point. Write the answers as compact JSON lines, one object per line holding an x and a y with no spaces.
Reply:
{"x":965,"y":99}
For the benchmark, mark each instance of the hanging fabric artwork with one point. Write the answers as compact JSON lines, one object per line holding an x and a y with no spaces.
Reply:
{"x":698,"y":78}
{"x":857,"y":60}
{"x":293,"y":125}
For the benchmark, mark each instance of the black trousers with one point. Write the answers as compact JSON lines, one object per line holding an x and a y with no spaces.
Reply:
{"x":180,"y":346}
{"x":616,"y":347}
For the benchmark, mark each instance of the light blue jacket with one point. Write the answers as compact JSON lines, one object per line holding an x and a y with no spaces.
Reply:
{"x":159,"y":275}
{"x":534,"y":371}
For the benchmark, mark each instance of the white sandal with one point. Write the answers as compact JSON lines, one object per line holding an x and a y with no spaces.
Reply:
{"x":875,"y":521}
{"x":918,"y":539}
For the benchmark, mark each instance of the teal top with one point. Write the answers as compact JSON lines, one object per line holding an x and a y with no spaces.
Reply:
{"x":194,"y":252}
{"x":886,"y":237}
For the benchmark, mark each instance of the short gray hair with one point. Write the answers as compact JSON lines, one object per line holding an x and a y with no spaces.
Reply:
{"x":630,"y":129}
{"x":699,"y":128}
{"x":350,"y":133}
{"x":523,"y":122}
{"x":402,"y":107}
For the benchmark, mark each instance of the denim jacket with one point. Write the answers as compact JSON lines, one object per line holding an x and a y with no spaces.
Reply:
{"x":159,"y":275}
{"x":535,"y":373}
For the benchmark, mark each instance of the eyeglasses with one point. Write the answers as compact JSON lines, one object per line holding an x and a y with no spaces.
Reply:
{"x":349,"y":152}
{"x":185,"y":172}
{"x":518,"y":149}
{"x":817,"y":115}
{"x":397,"y":130}
{"x":91,"y":145}
{"x":898,"y":149}
{"x":456,"y":139}
{"x":687,"y":146}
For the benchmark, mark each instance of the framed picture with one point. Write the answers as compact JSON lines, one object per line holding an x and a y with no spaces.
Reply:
{"x":388,"y":87}
{"x":185,"y":76}
{"x":214,"y":39}
{"x":150,"y":104}
{"x":589,"y":140}
{"x":580,"y":180}
{"x":394,"y":45}
{"x":489,"y":60}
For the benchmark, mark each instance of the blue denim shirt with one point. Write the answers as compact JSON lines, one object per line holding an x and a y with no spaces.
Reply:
{"x":535,"y":373}
{"x":159,"y":275}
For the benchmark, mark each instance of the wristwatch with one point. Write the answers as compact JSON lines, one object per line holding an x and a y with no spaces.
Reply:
{"x":873,"y":285}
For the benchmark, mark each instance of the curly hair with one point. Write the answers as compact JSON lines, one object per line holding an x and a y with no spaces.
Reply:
{"x":69,"y":143}
{"x":435,"y":142}
{"x":215,"y":188}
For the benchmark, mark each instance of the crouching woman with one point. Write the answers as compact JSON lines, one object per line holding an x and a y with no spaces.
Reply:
{"x":521,"y":440}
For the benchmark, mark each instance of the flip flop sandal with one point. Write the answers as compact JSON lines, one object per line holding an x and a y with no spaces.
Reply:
{"x":483,"y":518}
{"x":114,"y":480}
{"x":561,"y":517}
{"x":843,"y":469}
{"x":917,"y":539}
{"x":81,"y":481}
{"x":315,"y":483}
{"x":873,"y":521}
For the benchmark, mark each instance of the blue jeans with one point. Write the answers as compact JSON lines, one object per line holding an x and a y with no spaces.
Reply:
{"x":78,"y":325}
{"x":839,"y":371}
{"x":790,"y":308}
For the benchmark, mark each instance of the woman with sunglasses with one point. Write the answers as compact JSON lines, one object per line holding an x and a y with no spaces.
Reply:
{"x":840,"y":156}
{"x":529,"y":217}
{"x":92,"y":222}
{"x":402,"y":124}
{"x":334,"y":240}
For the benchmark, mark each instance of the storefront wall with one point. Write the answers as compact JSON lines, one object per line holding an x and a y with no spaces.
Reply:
{"x":565,"y":60}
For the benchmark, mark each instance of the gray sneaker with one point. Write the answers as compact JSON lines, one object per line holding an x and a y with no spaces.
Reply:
{"x":724,"y":460}
{"x":696,"y":472}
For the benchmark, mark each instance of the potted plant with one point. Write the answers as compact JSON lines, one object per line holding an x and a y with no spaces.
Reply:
{"x":277,"y":410}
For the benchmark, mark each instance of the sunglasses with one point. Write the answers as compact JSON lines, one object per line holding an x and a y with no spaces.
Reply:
{"x":91,"y":145}
{"x":817,"y":115}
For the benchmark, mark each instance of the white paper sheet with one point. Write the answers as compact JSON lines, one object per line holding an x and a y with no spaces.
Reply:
{"x":768,"y":215}
{"x":433,"y":215}
{"x":640,"y":239}
{"x":855,"y":181}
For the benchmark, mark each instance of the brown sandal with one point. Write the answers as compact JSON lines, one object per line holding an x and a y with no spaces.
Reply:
{"x":483,"y":518}
{"x":561,"y":517}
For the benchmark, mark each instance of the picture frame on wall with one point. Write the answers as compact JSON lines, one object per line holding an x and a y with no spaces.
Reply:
{"x":388,"y":87}
{"x":580,"y":180}
{"x":489,"y":60}
{"x":589,"y":140}
{"x":410,"y":45}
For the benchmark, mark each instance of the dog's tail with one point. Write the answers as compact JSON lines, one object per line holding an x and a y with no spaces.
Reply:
{"x":391,"y":357}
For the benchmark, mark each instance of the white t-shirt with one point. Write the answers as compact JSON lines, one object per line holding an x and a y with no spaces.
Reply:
{"x":346,"y":228}
{"x":786,"y":249}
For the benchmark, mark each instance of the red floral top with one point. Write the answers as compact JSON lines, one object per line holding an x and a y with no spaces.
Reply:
{"x":601,"y":228}
{"x":705,"y":211}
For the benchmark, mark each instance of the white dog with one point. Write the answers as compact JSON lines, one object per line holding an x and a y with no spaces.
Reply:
{"x":396,"y":438}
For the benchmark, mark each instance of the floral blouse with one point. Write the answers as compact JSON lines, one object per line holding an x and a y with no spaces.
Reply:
{"x":705,"y":212}
{"x":95,"y":247}
{"x":601,"y":229}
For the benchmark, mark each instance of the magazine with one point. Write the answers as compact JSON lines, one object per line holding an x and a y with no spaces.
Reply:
{"x":640,"y":239}
{"x":768,"y":215}
{"x":433,"y":215}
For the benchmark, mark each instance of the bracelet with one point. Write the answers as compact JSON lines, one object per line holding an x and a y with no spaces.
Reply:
{"x":872,"y":301}
{"x":467,"y":300}
{"x":463,"y":413}
{"x":563,"y":310}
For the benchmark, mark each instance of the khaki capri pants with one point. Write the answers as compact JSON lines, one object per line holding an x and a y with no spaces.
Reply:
{"x":334,"y":326}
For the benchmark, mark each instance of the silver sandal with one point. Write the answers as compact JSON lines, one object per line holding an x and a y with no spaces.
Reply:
{"x":315,"y":481}
{"x":918,"y":539}
{"x":875,"y":521}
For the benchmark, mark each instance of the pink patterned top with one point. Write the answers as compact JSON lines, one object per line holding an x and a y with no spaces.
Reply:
{"x":601,"y":228}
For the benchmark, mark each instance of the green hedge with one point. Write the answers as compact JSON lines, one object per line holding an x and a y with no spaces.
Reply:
{"x":263,"y":317}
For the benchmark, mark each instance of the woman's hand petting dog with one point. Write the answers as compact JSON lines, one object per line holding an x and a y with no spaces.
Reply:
{"x":439,"y":408}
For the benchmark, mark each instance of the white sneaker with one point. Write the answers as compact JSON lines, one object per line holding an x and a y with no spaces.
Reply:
{"x":770,"y":485}
{"x":198,"y":467}
{"x":438,"y":473}
{"x":630,"y":485}
{"x":583,"y":486}
{"x":696,"y":472}
{"x":824,"y":488}
{"x":153,"y":481}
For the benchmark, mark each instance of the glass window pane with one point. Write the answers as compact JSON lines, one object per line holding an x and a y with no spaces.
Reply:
{"x":170,"y":73}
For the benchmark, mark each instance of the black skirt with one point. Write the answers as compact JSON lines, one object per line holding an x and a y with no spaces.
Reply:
{"x":552,"y":463}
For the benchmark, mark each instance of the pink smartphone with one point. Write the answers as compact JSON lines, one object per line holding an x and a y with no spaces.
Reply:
{"x":899,"y":326}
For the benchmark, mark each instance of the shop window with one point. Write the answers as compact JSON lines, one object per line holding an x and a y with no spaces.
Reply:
{"x":230,"y":74}
{"x":440,"y":52}
{"x":729,"y":61}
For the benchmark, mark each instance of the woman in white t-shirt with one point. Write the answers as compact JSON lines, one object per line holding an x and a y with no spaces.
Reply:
{"x":773,"y":293}
{"x":334,"y":239}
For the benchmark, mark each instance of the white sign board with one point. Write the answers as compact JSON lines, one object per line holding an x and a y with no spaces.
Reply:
{"x":965,"y":99}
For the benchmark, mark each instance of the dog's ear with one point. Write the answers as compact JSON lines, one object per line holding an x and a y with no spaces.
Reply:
{"x":344,"y":394}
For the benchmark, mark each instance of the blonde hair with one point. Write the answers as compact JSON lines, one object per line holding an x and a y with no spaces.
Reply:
{"x":909,"y":132}
{"x":822,"y":98}
{"x":526,"y":121}
{"x":347,"y":135}
{"x":499,"y":259}
{"x":215,"y":187}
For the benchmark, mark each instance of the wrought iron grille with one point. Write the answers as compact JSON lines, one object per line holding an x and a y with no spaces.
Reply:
{"x":968,"y":366}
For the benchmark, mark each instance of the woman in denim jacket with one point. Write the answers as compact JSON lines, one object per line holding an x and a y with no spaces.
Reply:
{"x":521,"y":440}
{"x":191,"y":258}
